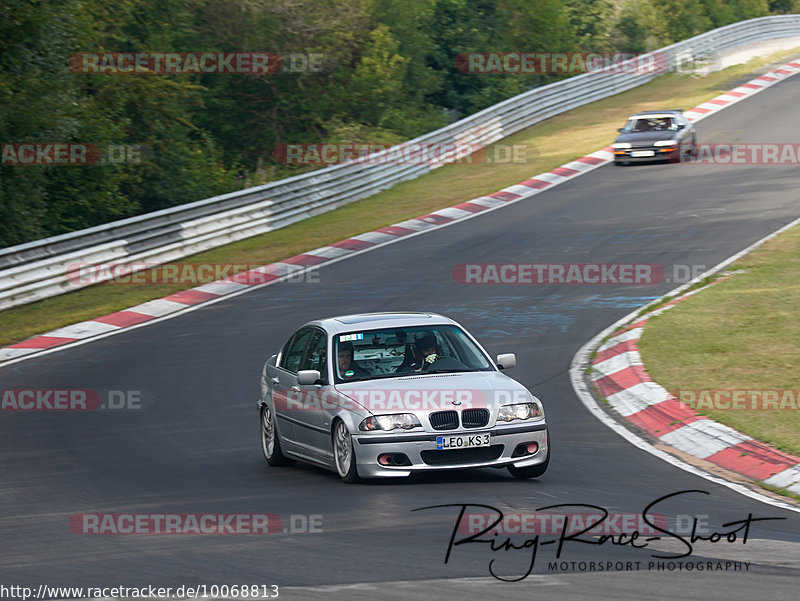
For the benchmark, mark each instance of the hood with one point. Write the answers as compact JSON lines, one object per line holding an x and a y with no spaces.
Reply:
{"x":423,"y":394}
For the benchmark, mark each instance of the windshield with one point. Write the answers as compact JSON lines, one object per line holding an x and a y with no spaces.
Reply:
{"x":373,"y":354}
{"x":642,"y":124}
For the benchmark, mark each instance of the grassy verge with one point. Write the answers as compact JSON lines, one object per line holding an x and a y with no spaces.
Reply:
{"x":781,"y":491}
{"x":549,"y":144}
{"x":740,"y":334}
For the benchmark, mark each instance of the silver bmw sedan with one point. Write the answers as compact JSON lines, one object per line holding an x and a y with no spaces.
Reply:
{"x":382,"y":395}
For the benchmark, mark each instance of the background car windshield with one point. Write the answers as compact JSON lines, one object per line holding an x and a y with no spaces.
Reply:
{"x":651,"y":124}
{"x":371,"y":354}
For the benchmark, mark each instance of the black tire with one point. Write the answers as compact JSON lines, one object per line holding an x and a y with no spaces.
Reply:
{"x":344,"y":455}
{"x":272,"y":452}
{"x":534,"y":471}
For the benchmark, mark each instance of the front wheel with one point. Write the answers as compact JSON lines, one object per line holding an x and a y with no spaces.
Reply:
{"x":523,"y":473}
{"x":534,"y":471}
{"x":344,"y":454}
{"x":270,"y":441}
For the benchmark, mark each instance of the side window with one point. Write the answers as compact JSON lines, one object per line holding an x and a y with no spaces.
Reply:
{"x":316,"y":355}
{"x":293,"y":352}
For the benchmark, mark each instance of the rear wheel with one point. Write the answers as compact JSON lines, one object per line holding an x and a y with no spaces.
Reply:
{"x":344,"y":454}
{"x":270,"y":441}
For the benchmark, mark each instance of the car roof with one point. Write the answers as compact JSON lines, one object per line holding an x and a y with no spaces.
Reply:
{"x":373,"y":321}
{"x":664,"y":113}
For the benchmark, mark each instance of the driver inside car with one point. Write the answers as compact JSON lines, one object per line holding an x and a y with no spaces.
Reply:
{"x":427,"y":352}
{"x":348,"y":368}
{"x":420,"y":355}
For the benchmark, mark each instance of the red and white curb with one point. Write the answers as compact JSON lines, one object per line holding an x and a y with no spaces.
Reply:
{"x":180,"y":302}
{"x":701,"y":111}
{"x":620,"y":376}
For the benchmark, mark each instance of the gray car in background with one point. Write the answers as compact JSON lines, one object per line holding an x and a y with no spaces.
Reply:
{"x":382,"y":395}
{"x":655,"y":136}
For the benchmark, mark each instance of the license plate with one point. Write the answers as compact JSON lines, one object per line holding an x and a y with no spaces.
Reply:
{"x":463,"y":441}
{"x":643,"y":153}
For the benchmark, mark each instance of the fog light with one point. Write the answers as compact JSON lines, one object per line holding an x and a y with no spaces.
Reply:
{"x":525,"y":448}
{"x":394,"y":459}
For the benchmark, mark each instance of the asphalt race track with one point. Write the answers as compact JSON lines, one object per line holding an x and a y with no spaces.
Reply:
{"x":195,"y":448}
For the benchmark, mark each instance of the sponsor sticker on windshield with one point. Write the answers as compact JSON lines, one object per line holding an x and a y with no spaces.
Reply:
{"x":349,"y":337}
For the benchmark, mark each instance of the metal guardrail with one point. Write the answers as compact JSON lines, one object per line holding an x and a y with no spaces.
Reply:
{"x":37,"y":270}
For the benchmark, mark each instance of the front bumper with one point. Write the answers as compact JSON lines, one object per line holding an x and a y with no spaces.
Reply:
{"x":660,"y":153}
{"x":416,"y":445}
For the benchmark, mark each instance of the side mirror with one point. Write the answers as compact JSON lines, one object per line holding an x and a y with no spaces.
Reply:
{"x":308,"y":377}
{"x":620,"y":129}
{"x":681,"y":126}
{"x":506,"y":360}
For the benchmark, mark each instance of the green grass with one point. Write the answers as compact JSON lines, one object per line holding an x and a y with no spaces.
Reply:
{"x":548,"y":144}
{"x":781,"y":491}
{"x":657,"y":304}
{"x":739,"y":334}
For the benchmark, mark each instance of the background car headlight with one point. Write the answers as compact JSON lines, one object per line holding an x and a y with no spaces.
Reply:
{"x":509,"y":413}
{"x":666,"y":143}
{"x":404,"y":421}
{"x":620,"y":145}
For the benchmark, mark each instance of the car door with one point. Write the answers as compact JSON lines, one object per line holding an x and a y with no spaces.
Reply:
{"x":283,"y":380}
{"x":313,"y":425}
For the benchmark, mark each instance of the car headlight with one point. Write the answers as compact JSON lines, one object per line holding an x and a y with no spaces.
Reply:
{"x":403,"y":421}
{"x":509,"y":413}
{"x":620,"y":145}
{"x":666,"y":143}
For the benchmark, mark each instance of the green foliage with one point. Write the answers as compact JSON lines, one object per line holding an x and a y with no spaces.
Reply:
{"x":388,"y":74}
{"x":784,"y":7}
{"x":592,"y":22}
{"x":52,"y":104}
